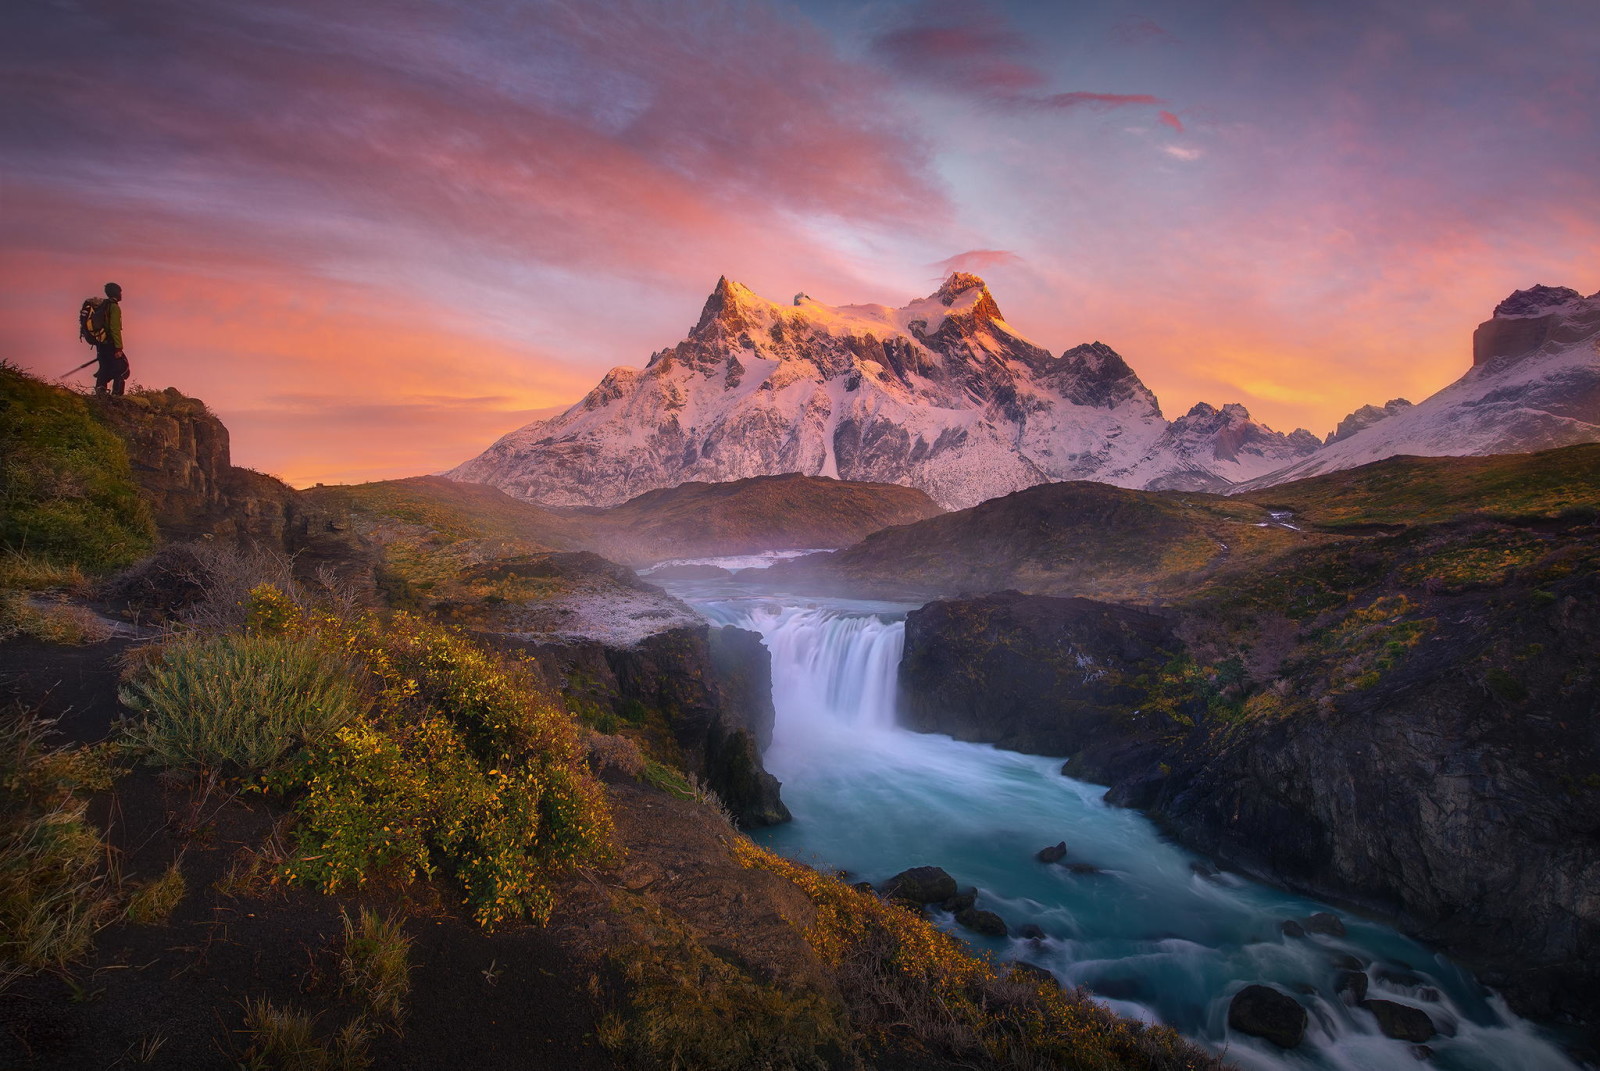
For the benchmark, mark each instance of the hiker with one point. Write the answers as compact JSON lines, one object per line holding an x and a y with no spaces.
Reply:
{"x":113,"y":367}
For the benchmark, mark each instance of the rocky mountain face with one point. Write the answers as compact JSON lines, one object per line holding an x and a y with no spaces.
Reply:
{"x":942,"y":395}
{"x":1534,"y":384}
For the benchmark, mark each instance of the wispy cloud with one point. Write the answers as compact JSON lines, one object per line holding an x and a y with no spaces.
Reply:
{"x":977,"y":261}
{"x":968,"y":47}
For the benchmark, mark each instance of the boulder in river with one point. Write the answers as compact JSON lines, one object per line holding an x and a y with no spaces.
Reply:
{"x":1291,"y":928}
{"x":1030,"y":972}
{"x":960,"y":901}
{"x":1031,"y":932}
{"x":920,"y":885}
{"x":1325,"y":922}
{"x":1264,"y":1012}
{"x":1053,"y":854}
{"x":987,"y":923}
{"x":1401,"y":1021}
{"x":1352,"y":985}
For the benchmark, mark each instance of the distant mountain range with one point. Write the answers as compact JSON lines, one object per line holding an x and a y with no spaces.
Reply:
{"x":945,"y":396}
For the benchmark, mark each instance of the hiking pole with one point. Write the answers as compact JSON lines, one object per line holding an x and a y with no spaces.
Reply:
{"x":80,"y":368}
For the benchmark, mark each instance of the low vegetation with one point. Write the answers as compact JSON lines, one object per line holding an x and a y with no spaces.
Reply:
{"x":67,"y":495}
{"x":238,"y":702}
{"x":911,"y":987}
{"x":374,"y":963}
{"x":55,"y":890}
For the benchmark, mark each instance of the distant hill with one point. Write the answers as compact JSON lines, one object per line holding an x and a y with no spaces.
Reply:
{"x":1109,"y":542}
{"x":695,"y":519}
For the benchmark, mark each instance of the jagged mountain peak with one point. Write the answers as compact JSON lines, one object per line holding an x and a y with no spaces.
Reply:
{"x":1537,"y":300}
{"x":940,"y":394}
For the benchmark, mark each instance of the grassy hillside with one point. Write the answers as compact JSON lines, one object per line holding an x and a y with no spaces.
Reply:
{"x":1430,"y":490}
{"x":67,"y":495}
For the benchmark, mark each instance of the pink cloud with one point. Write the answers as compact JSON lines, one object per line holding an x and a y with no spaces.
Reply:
{"x":977,"y":261}
{"x":1166,"y":118}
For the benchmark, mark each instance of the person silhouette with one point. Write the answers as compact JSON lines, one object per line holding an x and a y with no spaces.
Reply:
{"x":113,"y":363}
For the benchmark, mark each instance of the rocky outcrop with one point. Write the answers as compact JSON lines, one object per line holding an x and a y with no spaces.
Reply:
{"x":706,"y":691}
{"x":180,"y":458}
{"x":1210,"y":449}
{"x":1034,"y":673}
{"x":1365,"y":417}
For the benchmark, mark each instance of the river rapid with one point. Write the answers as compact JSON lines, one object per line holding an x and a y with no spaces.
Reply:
{"x":1152,"y":930}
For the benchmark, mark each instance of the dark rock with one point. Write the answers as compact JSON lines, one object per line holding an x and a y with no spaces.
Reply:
{"x":1264,"y":1012}
{"x":1291,"y":928}
{"x":1401,"y":1021}
{"x":1030,"y":672}
{"x":987,"y":923}
{"x":1422,"y":1052}
{"x":960,"y":901}
{"x":1206,"y":870}
{"x":1346,"y":962}
{"x":920,"y":885}
{"x":1053,"y":854}
{"x":1031,"y":972}
{"x":863,"y":886}
{"x":1325,"y":922}
{"x":1083,"y":869}
{"x":1031,"y":932}
{"x":1352,"y":985}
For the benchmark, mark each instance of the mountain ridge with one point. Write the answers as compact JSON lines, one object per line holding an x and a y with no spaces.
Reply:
{"x":941,"y":394}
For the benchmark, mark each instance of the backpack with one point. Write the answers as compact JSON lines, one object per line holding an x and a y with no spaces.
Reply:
{"x":92,"y":322}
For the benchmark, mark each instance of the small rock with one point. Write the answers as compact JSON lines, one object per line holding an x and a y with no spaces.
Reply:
{"x":1352,"y":985}
{"x":1082,"y":869}
{"x":1422,"y":1052}
{"x":1346,"y":962}
{"x":1325,"y":922}
{"x":1030,"y":932}
{"x":1053,"y":854}
{"x":1401,"y":1021}
{"x":1204,"y":869}
{"x":960,"y":901}
{"x":1030,"y":972}
{"x":920,"y":885}
{"x":1263,"y":1012}
{"x":1291,"y":928}
{"x":985,"y":922}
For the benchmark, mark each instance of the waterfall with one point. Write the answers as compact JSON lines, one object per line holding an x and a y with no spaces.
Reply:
{"x":831,"y":670}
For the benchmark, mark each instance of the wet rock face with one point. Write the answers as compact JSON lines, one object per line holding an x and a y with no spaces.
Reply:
{"x":1032,"y":673}
{"x":1401,"y":1021}
{"x":1264,"y":1012}
{"x":711,"y":688}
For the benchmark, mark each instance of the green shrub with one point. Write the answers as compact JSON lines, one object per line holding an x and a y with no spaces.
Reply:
{"x":54,"y":893}
{"x":465,"y":766}
{"x":66,"y":492}
{"x":239,"y":702}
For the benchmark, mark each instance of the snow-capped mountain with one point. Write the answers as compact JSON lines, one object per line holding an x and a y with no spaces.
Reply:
{"x":941,"y":394}
{"x":1534,"y":384}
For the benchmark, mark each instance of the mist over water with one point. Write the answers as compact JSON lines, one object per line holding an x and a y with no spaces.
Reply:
{"x":1146,"y":926}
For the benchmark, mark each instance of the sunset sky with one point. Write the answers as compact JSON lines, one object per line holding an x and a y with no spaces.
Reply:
{"x":375,"y":235}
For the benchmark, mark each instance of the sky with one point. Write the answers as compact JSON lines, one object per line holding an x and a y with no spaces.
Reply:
{"x":376,"y":235}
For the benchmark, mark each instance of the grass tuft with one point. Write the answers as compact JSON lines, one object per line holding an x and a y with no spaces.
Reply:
{"x":152,"y":903}
{"x":238,"y":702}
{"x":286,"y":1039}
{"x":373,"y":963}
{"x":54,"y":891}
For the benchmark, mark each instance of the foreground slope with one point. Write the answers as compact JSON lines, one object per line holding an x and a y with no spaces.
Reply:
{"x":942,"y":394}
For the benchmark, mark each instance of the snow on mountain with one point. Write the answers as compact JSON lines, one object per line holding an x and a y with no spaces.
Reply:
{"x":1365,"y":417}
{"x":942,"y":394}
{"x":1534,"y":384}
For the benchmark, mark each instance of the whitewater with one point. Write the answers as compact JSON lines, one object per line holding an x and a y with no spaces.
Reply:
{"x":1151,"y":930}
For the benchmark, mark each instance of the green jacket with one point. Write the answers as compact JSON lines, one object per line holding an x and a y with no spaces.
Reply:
{"x":113,"y":321}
